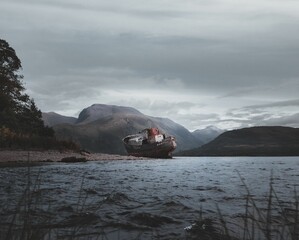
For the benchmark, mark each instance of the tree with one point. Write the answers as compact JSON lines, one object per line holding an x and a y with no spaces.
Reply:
{"x":18,"y":111}
{"x":10,"y":84}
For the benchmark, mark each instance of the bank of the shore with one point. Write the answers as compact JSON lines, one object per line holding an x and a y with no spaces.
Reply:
{"x":23,"y":156}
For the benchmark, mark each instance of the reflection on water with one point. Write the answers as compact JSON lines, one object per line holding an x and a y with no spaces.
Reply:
{"x":143,"y":199}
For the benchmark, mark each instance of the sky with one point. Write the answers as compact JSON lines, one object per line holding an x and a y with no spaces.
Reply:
{"x":225,"y":63}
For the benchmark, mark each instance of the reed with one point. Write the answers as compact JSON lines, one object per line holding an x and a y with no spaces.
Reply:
{"x":279,"y":220}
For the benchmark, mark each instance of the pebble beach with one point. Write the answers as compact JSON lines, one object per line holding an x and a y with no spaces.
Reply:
{"x":22,"y":156}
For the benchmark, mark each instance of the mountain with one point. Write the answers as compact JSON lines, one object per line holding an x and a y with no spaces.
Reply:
{"x":254,"y":141}
{"x":52,"y":119}
{"x":207,"y":134}
{"x":101,"y":128}
{"x":100,"y":111}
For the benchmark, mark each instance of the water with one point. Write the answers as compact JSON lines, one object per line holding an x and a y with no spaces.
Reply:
{"x":142,"y":199}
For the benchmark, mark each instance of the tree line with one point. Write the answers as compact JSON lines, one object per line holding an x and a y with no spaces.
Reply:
{"x":21,"y":123}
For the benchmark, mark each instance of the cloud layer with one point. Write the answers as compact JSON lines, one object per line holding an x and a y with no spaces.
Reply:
{"x":221,"y":62}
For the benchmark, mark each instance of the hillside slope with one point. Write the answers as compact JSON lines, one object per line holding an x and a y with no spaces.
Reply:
{"x":254,"y":141}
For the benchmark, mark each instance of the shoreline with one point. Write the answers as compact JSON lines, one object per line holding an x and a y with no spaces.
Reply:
{"x":47,"y":156}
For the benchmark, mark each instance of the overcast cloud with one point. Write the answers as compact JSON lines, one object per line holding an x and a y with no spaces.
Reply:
{"x":226,"y":63}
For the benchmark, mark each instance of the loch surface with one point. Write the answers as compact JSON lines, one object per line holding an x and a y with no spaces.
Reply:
{"x":141,"y":199}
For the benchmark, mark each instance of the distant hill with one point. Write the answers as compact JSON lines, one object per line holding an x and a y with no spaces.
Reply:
{"x":207,"y":134}
{"x":254,"y":141}
{"x":100,"y":128}
{"x":52,"y":119}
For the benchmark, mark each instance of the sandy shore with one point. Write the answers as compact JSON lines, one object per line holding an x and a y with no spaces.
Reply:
{"x":21,"y":156}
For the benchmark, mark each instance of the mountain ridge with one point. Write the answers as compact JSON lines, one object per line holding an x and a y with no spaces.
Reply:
{"x":98,"y":111}
{"x":207,"y":134}
{"x":51,"y":118}
{"x":100,"y":128}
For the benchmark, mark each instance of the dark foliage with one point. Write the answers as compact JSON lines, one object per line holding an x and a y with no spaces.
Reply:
{"x":21,"y":123}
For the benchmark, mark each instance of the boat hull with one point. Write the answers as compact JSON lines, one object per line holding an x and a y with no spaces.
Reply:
{"x":161,"y":149}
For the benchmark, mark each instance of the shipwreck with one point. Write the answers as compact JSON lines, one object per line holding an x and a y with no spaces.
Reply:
{"x":150,"y":143}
